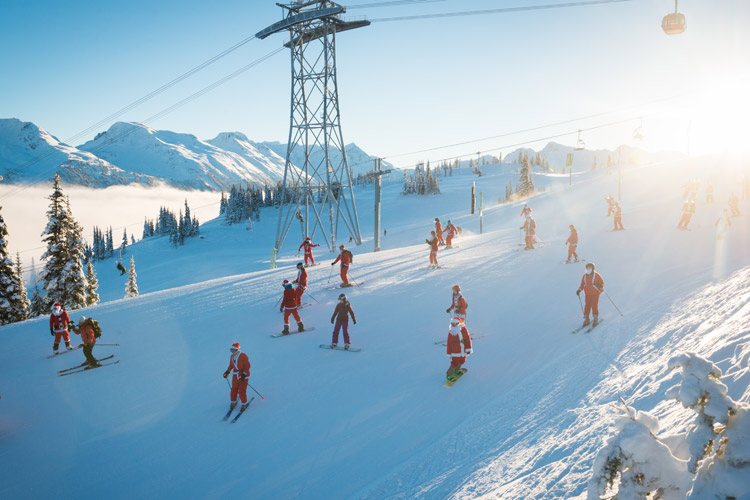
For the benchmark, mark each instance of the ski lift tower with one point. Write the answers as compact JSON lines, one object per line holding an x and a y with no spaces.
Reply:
{"x":319,"y":187}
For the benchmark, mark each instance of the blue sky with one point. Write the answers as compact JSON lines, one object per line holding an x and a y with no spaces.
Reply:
{"x":404,"y":86}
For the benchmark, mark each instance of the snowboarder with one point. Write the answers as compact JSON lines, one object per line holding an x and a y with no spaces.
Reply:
{"x":610,"y":204}
{"x":308,"y":245}
{"x":450,"y":231}
{"x":458,"y":304}
{"x":58,"y":326}
{"x":301,"y":282}
{"x":433,"y":249}
{"x":592,"y":285}
{"x":688,"y":209}
{"x":346,"y":258}
{"x":530,"y":227}
{"x":439,"y":232}
{"x":458,"y":347}
{"x":341,"y":314}
{"x":618,"y":217}
{"x":88,"y":337}
{"x":239,"y":367}
{"x":289,"y":306}
{"x":526,"y":211}
{"x":722,"y":224}
{"x":572,"y":243}
{"x":733,"y":200}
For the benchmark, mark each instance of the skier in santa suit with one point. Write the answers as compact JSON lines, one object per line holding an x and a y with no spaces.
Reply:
{"x":618,"y":217}
{"x":439,"y":231}
{"x":58,"y":326}
{"x":308,"y":245}
{"x":526,"y":212}
{"x":433,"y":249}
{"x":239,"y":367}
{"x":458,"y":346}
{"x":458,"y":304}
{"x":592,"y":286}
{"x":301,"y":282}
{"x":289,"y":306}
{"x":86,"y":331}
{"x":450,"y":232}
{"x":530,"y":227}
{"x":572,"y":243}
{"x":610,"y":204}
{"x":345,"y":258}
{"x":688,"y":209}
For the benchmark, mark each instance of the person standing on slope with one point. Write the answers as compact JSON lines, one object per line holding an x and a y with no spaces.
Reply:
{"x":301,"y":282}
{"x":458,"y":347}
{"x":58,"y":326}
{"x":308,"y":246}
{"x":239,"y":367}
{"x":289,"y":306}
{"x":618,"y":217}
{"x":341,"y":314}
{"x":530,"y":227}
{"x":88,"y":337}
{"x":722,"y":224}
{"x":433,"y":250}
{"x":572,"y":243}
{"x":526,"y":211}
{"x":688,"y":209}
{"x":346,"y":258}
{"x":458,"y":304}
{"x":610,"y":204}
{"x":733,"y":201}
{"x":450,"y":232}
{"x":439,"y":231}
{"x":592,"y":286}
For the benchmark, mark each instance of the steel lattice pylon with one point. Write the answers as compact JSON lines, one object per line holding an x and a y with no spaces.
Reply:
{"x":317,"y":192}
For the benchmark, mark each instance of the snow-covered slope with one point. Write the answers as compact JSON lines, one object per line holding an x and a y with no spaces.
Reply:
{"x":29,"y":153}
{"x":525,"y":422}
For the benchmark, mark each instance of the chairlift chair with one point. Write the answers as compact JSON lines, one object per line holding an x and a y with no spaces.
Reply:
{"x":674,"y":24}
{"x":580,"y":145}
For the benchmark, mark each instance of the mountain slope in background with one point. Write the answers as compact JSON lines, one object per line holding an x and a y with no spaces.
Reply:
{"x":359,"y":161}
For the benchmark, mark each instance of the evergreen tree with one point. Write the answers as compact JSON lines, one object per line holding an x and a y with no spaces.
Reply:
{"x":525,"y":185}
{"x":131,"y":288}
{"x":22,"y":286}
{"x":38,"y":306}
{"x":12,"y":303}
{"x":74,"y":276}
{"x":55,"y":257}
{"x":92,"y":284}
{"x":124,"y":242}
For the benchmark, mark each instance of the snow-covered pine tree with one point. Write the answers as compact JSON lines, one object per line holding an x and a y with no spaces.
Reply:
{"x":38,"y":306}
{"x":56,"y":255}
{"x":109,"y":250}
{"x":525,"y":185}
{"x":131,"y":288}
{"x":124,"y":242}
{"x":73,"y":273}
{"x":12,"y":303}
{"x":92,"y":284}
{"x":22,"y":286}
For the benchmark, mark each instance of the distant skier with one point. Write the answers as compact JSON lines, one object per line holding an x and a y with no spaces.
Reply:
{"x":239,"y":367}
{"x":450,"y":232}
{"x":346,"y":259}
{"x":530,"y":227}
{"x":610,"y":205}
{"x":59,"y":321}
{"x":745,"y":187}
{"x":433,"y":249}
{"x":733,"y":201}
{"x":709,"y":192}
{"x":618,"y":217}
{"x":572,"y":243}
{"x":88,"y":337}
{"x":308,"y":246}
{"x":458,"y":347}
{"x":289,"y":306}
{"x":592,"y":285}
{"x":341,"y":313}
{"x":458,"y":304}
{"x":301,"y":282}
{"x":439,"y":231}
{"x":722,"y":224}
{"x":688,"y":209}
{"x":526,"y":211}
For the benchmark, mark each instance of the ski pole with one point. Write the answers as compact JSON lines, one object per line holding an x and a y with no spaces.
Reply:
{"x":108,"y":344}
{"x":256,"y":392}
{"x":579,"y":301}
{"x":613,"y":303}
{"x":330,"y":274}
{"x":277,"y":302}
{"x":311,"y":296}
{"x":230,"y":385}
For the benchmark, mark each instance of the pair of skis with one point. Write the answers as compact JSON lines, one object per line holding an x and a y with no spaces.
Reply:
{"x":243,"y":408}
{"x":86,"y":366}
{"x":60,"y":353}
{"x":590,"y":327}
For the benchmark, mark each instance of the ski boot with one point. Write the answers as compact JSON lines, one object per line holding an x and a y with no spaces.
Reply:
{"x":586,"y":322}
{"x":55,"y":346}
{"x":333,"y":345}
{"x":596,"y":321}
{"x":285,"y":331}
{"x":347,"y":346}
{"x":244,"y":406}
{"x":300,"y":326}
{"x":68,"y":346}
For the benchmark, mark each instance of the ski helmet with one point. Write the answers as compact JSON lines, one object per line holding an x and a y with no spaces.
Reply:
{"x":235,"y":347}
{"x":455,"y":320}
{"x":342,"y":296}
{"x":82,"y":320}
{"x":300,"y":265}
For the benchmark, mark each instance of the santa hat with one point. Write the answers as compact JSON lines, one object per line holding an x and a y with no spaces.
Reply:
{"x":236,"y":345}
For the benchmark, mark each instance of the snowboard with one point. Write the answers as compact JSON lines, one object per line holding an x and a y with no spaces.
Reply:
{"x":292,"y":332}
{"x":456,"y":376}
{"x":350,"y":285}
{"x":340,"y":348}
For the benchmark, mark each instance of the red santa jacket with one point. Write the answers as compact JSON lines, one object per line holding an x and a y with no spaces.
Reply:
{"x":618,"y":211}
{"x":433,"y":244}
{"x":59,"y":322}
{"x":239,"y":363}
{"x":450,"y":229}
{"x":302,"y":278}
{"x":344,"y":258}
{"x":529,"y":226}
{"x":459,"y":305}
{"x":592,"y":285}
{"x":438,"y":227}
{"x":459,"y":341}
{"x":289,"y":300}
{"x":526,"y":211}
{"x":308,"y":247}
{"x":573,"y":238}
{"x":86,"y":332}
